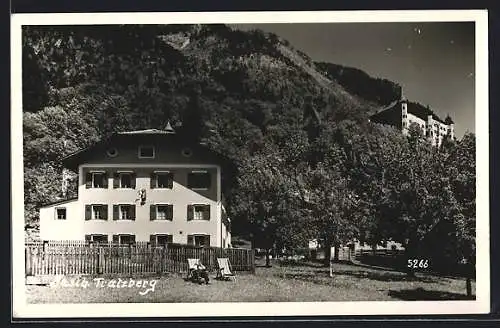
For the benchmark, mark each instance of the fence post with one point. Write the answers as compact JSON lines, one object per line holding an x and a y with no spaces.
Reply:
{"x":28,"y":261}
{"x":92,"y":258}
{"x":252,"y":253}
{"x":100,"y":262}
{"x":45,"y":248}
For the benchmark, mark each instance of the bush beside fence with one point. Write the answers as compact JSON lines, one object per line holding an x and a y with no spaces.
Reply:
{"x":80,"y":257}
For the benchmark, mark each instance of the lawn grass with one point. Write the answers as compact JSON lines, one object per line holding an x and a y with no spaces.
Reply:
{"x":298,"y":283}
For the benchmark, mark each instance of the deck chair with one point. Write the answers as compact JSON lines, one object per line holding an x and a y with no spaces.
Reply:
{"x":224,"y":271}
{"x":191,"y":267}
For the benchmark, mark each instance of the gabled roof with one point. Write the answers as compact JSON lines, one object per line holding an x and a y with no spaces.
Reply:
{"x":72,"y":160}
{"x":415,"y":109}
{"x":60,"y":201}
{"x":422,"y":112}
{"x":147,"y":131}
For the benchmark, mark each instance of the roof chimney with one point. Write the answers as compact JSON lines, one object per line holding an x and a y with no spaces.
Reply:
{"x":169,"y":128}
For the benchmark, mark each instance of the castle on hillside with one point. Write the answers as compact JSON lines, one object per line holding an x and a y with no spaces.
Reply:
{"x":402,"y":114}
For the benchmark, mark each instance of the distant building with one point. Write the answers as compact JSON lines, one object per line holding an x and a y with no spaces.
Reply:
{"x":147,"y":185}
{"x":402,"y":114}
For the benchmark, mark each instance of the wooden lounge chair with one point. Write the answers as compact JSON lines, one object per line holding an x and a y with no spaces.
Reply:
{"x":224,"y":271}
{"x":192,"y":266}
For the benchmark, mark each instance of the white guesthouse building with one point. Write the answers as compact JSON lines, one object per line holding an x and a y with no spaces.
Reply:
{"x":144,"y":185}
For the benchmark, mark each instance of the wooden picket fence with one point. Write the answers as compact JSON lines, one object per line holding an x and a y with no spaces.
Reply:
{"x":80,"y":257}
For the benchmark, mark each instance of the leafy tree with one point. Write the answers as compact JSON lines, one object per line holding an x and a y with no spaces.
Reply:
{"x":461,"y":168}
{"x":331,"y":204}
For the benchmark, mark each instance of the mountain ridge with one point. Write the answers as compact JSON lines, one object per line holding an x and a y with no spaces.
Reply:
{"x":229,"y":88}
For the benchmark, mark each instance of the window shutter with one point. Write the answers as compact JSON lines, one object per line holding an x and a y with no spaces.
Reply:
{"x":170,"y":214}
{"x":170,"y":239}
{"x":116,"y":239}
{"x":116,"y":180}
{"x":207,"y":241}
{"x":170,"y":180}
{"x":152,"y":239}
{"x":190,"y":240}
{"x":104,"y":212}
{"x":132,"y":212}
{"x":206,"y":212}
{"x":152,"y":212}
{"x":153,"y":180}
{"x":132,"y":180}
{"x":190,"y":212}
{"x":88,"y":180}
{"x":132,"y":239}
{"x":116,"y":212}
{"x":88,"y":212}
{"x":105,"y":182}
{"x":88,"y":237}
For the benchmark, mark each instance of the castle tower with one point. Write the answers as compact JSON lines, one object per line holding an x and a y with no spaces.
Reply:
{"x":430,"y":129}
{"x":451,"y":127}
{"x":404,"y":116}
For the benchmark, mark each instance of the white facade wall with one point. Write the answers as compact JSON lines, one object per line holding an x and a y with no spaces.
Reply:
{"x":75,"y":227}
{"x":53,"y":229}
{"x":439,"y":130}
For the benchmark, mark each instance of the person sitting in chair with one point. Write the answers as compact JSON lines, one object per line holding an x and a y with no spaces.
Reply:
{"x":200,"y":273}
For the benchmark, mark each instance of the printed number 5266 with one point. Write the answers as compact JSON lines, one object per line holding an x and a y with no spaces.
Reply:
{"x":418,"y":264}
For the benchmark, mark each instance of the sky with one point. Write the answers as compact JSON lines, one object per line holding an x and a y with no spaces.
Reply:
{"x":434,"y":62}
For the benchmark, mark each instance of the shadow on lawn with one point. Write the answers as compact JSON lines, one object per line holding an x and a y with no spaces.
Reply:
{"x":322,"y":277}
{"x":387,"y":276}
{"x":421,"y":294}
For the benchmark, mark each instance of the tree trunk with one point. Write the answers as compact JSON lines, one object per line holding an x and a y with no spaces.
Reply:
{"x":328,"y":253}
{"x":268,"y":262}
{"x":468,"y":285}
{"x":409,"y":255}
{"x":336,"y":252}
{"x":469,"y":275}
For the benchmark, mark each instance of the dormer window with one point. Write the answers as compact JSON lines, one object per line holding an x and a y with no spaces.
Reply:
{"x":112,"y":152}
{"x":186,"y":152}
{"x":146,"y":152}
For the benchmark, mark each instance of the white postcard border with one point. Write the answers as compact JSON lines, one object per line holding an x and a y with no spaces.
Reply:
{"x":21,"y":309}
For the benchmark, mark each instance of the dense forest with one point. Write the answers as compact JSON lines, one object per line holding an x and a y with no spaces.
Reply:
{"x":308,"y":163}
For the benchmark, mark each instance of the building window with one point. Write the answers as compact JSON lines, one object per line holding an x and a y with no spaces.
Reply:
{"x":199,"y":240}
{"x":146,"y":152}
{"x":96,"y":180}
{"x":61,"y":213}
{"x":161,"y":212}
{"x":160,"y":239}
{"x":199,"y":180}
{"x":124,"y":239}
{"x":96,"y":212}
{"x":125,"y":180}
{"x":161,"y":179}
{"x":198,"y":212}
{"x":97,"y":238}
{"x":124,"y":212}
